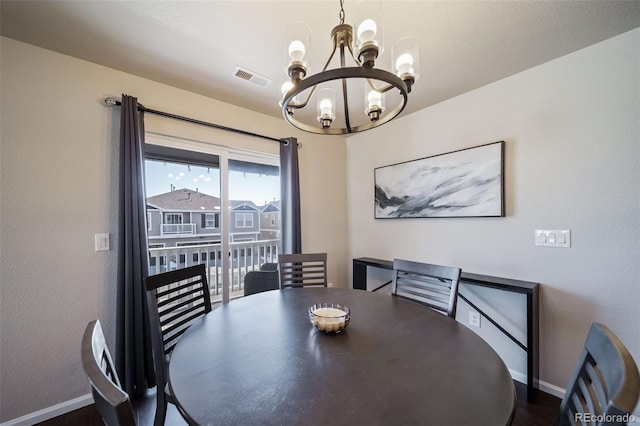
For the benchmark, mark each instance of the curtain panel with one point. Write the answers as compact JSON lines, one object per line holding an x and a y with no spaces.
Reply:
{"x":134,"y":356}
{"x":290,"y":193}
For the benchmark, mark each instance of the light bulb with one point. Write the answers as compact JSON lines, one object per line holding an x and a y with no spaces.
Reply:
{"x":326,"y":107}
{"x":404,"y":64}
{"x":286,"y":86}
{"x":375,"y":99}
{"x":296,"y":50}
{"x":367,"y":30}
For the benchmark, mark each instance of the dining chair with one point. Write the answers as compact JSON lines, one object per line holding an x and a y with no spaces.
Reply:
{"x":433,"y":285}
{"x":265,"y":279}
{"x":302,"y":269}
{"x":605,"y":385}
{"x":175,"y":299}
{"x":110,"y":399}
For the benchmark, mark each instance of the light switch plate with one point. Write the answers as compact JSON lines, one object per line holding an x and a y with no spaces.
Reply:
{"x":102,"y":242}
{"x":553,"y":238}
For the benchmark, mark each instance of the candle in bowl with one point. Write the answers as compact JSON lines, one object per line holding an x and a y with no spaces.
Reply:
{"x":329,"y":317}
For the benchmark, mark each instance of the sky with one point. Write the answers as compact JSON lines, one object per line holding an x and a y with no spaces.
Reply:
{"x":242,"y":186}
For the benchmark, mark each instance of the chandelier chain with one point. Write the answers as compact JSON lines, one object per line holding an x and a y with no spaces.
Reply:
{"x":341,"y":12}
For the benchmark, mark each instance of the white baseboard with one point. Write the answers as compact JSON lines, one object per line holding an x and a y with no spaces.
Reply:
{"x":51,"y":412}
{"x":542,"y":385}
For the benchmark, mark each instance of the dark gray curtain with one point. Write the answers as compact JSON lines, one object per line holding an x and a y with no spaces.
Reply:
{"x":134,"y":357}
{"x":290,"y":193}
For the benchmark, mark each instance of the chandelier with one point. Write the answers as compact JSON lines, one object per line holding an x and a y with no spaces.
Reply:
{"x":373,"y":84}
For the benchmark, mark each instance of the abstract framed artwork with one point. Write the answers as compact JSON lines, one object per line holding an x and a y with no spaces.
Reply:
{"x":464,"y":183}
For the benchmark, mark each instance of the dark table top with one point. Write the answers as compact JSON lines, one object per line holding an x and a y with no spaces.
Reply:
{"x":258,"y":360}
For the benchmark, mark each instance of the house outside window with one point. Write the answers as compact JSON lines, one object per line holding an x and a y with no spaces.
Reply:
{"x":244,"y":220}
{"x":211,"y":220}
{"x":273,"y":219}
{"x":173,"y":218}
{"x":200,"y":219}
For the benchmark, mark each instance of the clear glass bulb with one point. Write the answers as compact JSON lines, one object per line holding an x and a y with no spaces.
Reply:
{"x":296,"y":50}
{"x":367,"y":30}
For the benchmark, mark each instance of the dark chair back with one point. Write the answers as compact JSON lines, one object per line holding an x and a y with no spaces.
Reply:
{"x":111,"y":401}
{"x":176,"y":299}
{"x":303,"y":269}
{"x":605,"y":384}
{"x":432,"y":285}
{"x":269,"y":267}
{"x":265,"y":279}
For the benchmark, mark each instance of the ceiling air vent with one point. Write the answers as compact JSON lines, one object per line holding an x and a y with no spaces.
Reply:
{"x":251,"y":77}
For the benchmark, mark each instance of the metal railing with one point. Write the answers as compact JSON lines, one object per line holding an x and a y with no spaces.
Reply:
{"x":244,"y":257}
{"x":178,"y":228}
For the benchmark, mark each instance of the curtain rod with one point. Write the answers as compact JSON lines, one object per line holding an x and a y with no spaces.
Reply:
{"x":112,"y":102}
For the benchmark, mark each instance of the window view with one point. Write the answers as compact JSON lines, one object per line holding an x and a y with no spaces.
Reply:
{"x":186,"y":225}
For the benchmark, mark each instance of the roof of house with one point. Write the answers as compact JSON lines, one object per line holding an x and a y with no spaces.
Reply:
{"x":273,"y":206}
{"x":185,"y":199}
{"x":243,"y":205}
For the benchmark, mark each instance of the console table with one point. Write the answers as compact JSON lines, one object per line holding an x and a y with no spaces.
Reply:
{"x":529,"y":289}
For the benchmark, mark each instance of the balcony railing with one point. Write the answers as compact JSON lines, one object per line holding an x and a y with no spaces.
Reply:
{"x":245,"y":256}
{"x":178,"y":228}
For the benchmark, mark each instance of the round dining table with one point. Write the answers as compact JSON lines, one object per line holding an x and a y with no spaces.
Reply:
{"x":258,"y":360}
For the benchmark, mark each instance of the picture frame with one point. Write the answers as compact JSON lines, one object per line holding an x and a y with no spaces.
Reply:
{"x":464,"y":183}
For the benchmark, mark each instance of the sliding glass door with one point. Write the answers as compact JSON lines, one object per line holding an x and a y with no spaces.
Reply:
{"x":212,"y":205}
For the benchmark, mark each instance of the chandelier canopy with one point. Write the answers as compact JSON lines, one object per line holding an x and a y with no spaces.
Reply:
{"x":364,"y":47}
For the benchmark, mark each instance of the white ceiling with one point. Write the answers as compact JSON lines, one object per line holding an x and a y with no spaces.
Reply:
{"x":197,"y":45}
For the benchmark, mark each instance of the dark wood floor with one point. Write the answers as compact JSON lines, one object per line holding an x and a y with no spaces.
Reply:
{"x":542,"y":412}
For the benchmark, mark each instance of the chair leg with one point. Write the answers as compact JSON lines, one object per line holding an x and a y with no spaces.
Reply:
{"x":161,"y":408}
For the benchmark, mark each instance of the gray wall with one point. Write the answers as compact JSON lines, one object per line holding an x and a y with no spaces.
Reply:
{"x":572,"y":135}
{"x":59,"y":187}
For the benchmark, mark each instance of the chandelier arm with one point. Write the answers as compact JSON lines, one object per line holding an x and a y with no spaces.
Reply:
{"x":336,"y":74}
{"x":383,"y":89}
{"x":346,"y":105}
{"x":333,"y":52}
{"x":306,"y":101}
{"x":345,"y":100}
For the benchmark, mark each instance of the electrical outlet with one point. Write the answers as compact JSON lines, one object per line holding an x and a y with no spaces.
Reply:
{"x":474,"y":318}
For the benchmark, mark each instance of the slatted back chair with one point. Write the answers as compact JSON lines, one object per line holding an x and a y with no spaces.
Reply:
{"x":111,"y":400}
{"x":605,"y":384}
{"x":432,"y":285}
{"x":176,"y":299}
{"x":303,"y":269}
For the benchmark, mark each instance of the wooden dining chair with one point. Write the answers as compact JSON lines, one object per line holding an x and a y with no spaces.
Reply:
{"x":110,"y":399}
{"x":176,"y":299}
{"x":433,"y":285}
{"x":302,"y":269}
{"x":265,"y":279}
{"x":605,"y":384}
